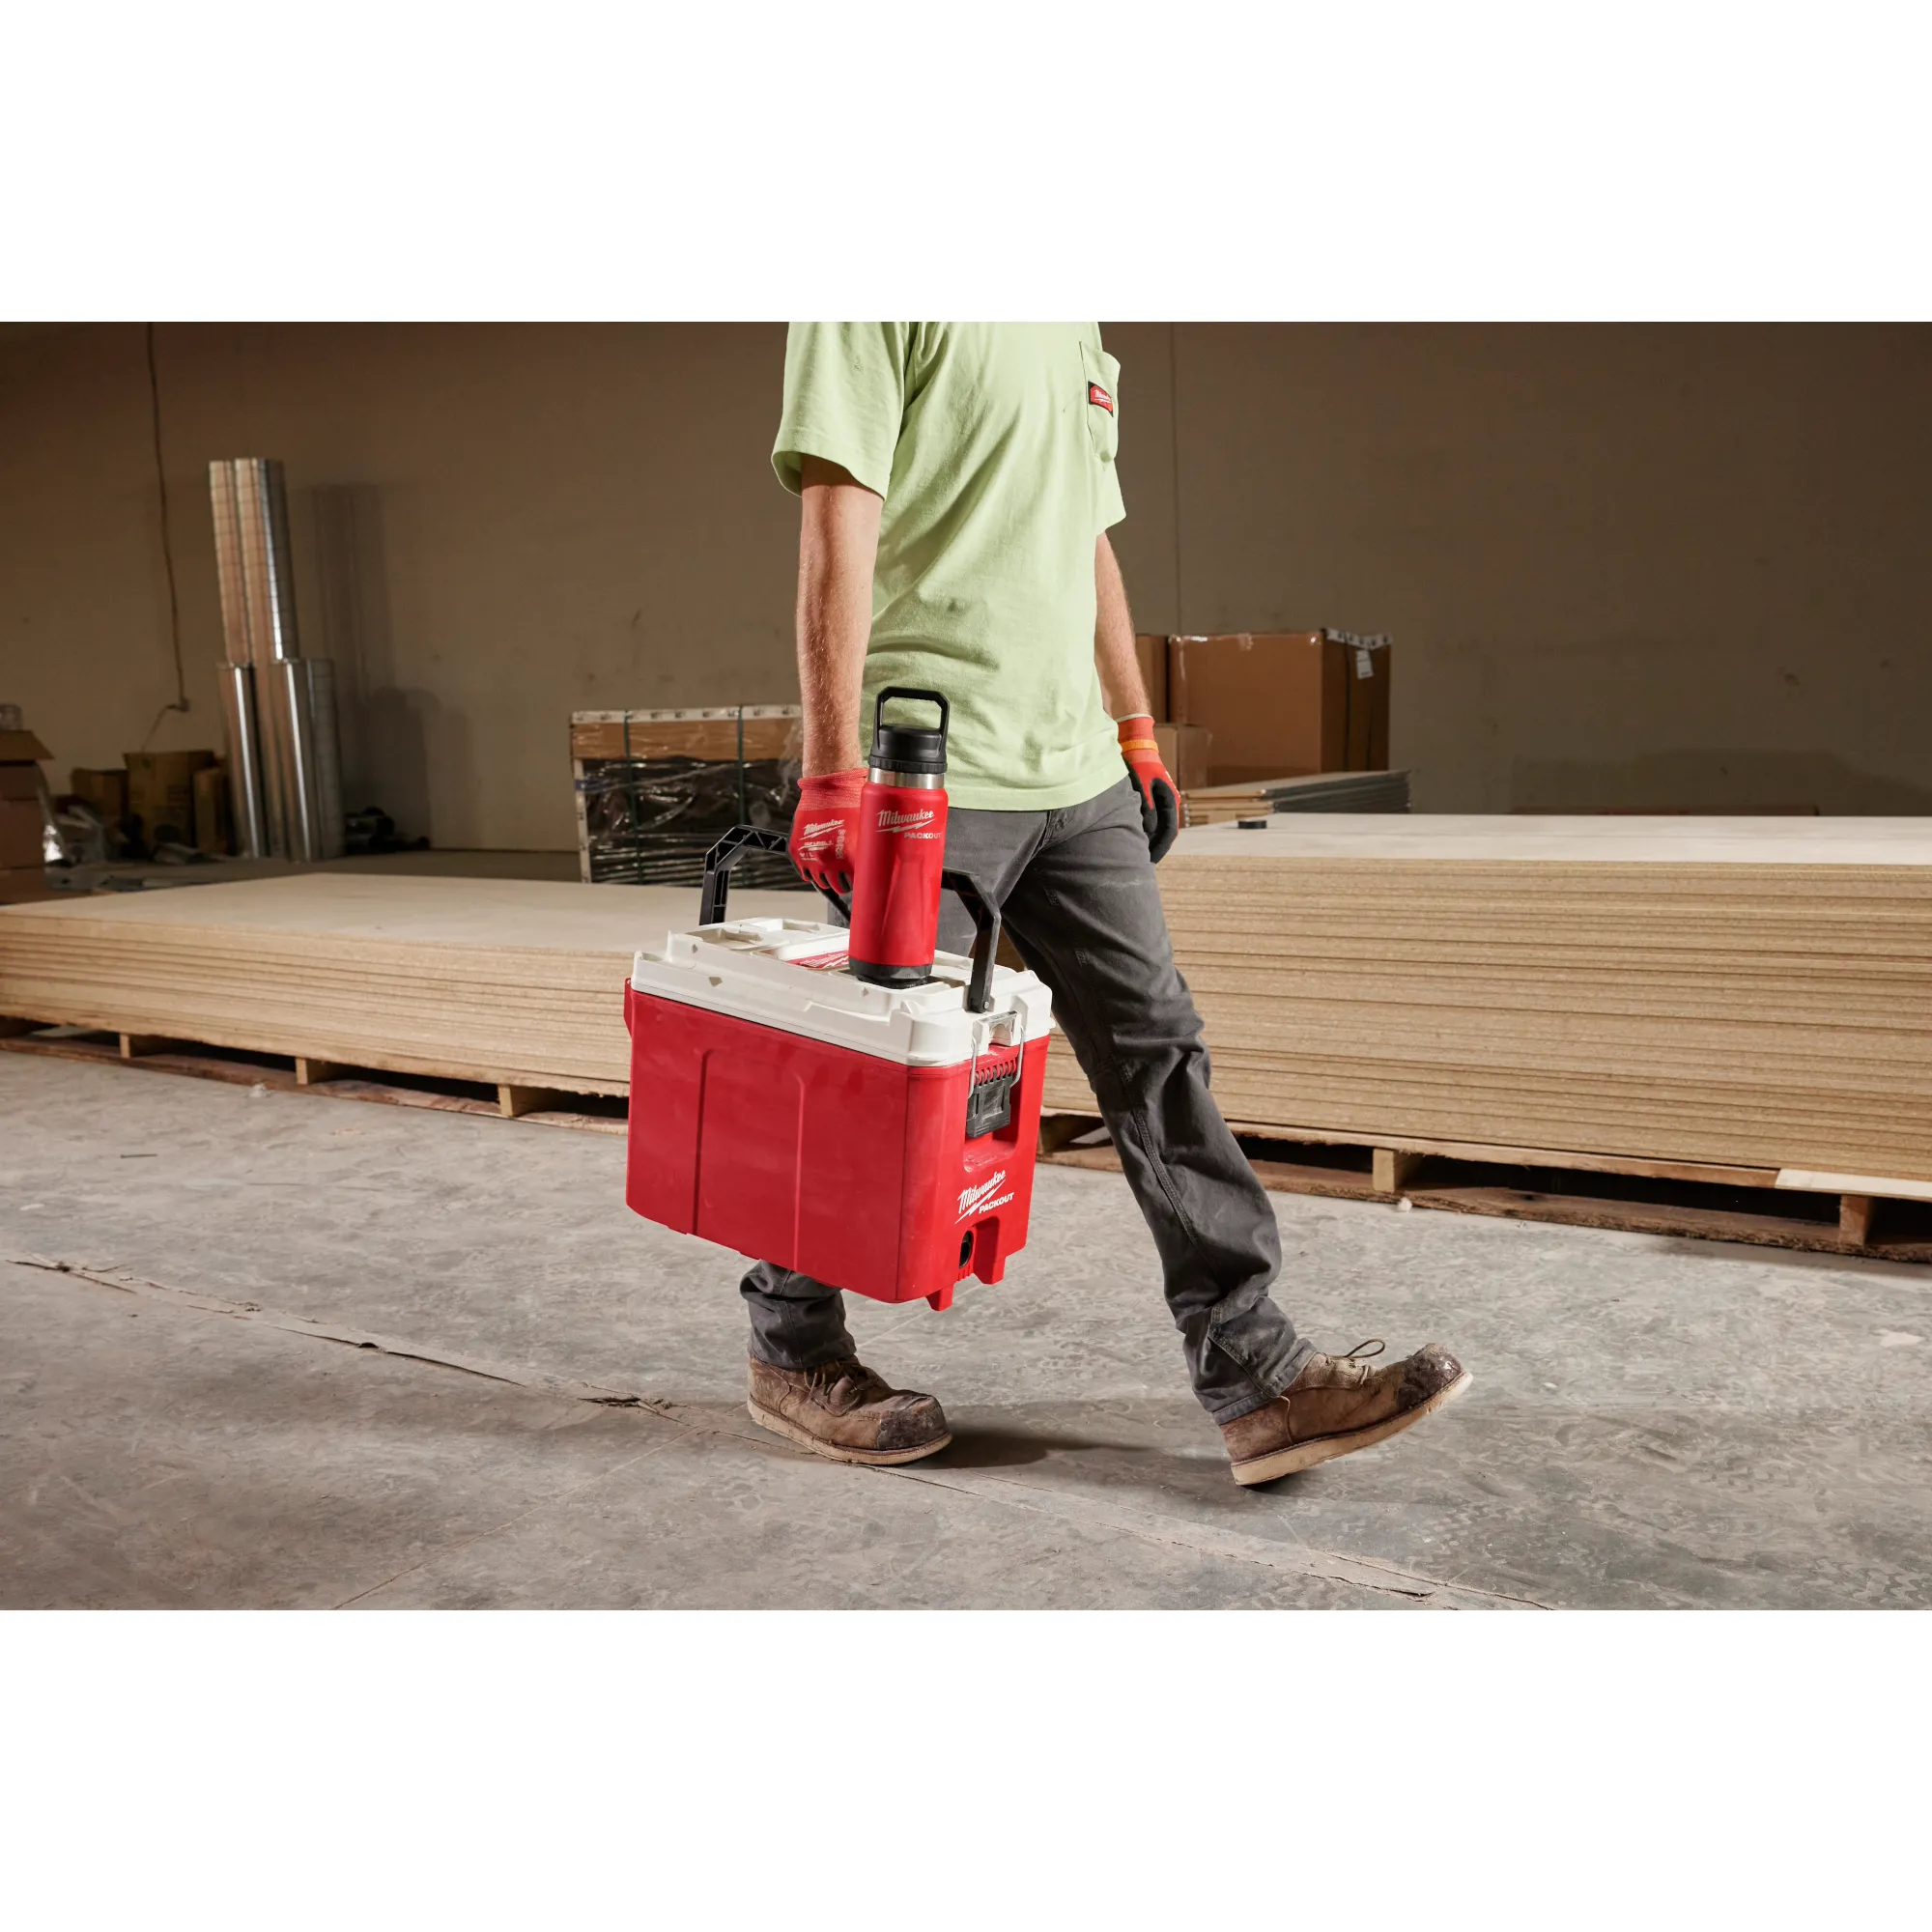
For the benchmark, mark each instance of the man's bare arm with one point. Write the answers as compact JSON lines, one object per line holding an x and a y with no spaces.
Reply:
{"x":839,"y":541}
{"x":1121,"y":686}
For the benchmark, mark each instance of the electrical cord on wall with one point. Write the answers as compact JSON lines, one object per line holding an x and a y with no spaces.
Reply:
{"x":179,"y":701}
{"x":1174,"y":448}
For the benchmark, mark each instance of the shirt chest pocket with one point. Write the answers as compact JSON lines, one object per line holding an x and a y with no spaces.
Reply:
{"x":1102,"y":404}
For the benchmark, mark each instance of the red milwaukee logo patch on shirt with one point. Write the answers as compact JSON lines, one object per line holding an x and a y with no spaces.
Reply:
{"x":1099,"y":397}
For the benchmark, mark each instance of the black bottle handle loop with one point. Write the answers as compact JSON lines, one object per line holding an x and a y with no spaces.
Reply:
{"x":906,"y":690}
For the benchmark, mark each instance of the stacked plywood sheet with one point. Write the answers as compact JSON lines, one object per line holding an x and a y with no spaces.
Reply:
{"x":1751,"y":992}
{"x":1319,"y":791}
{"x":511,"y":981}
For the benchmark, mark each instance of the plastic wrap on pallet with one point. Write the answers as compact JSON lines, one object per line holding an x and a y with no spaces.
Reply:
{"x":650,"y":821}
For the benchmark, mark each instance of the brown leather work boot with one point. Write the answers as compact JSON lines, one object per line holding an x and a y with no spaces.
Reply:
{"x":1338,"y":1404}
{"x":843,"y":1410}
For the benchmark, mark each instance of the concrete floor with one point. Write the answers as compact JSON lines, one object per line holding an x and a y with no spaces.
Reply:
{"x":1654,"y":1423}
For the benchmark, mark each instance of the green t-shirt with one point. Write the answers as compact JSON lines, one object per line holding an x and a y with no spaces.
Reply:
{"x":992,"y":444}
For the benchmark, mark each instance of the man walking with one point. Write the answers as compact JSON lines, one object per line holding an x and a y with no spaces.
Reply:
{"x":958,"y":485}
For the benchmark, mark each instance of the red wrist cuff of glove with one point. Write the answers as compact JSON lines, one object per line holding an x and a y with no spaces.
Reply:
{"x":837,"y":792}
{"x":1137,"y":734}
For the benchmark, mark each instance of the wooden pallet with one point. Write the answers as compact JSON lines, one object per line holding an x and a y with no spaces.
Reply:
{"x":292,"y":1074}
{"x":1652,"y":1197}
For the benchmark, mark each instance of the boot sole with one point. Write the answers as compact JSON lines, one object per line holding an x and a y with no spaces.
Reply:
{"x":837,"y":1452}
{"x":1299,"y":1455}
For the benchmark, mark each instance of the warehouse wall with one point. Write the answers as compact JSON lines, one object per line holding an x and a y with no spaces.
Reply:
{"x":493,"y":526}
{"x":1663,"y":567}
{"x":1667,"y":567}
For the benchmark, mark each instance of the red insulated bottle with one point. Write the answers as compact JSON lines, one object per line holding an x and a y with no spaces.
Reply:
{"x":901,"y":849}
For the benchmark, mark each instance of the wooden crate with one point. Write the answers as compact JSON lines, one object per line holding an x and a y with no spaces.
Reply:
{"x":668,"y":746}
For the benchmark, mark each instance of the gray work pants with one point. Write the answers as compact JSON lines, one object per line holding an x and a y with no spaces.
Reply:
{"x":1077,"y":892}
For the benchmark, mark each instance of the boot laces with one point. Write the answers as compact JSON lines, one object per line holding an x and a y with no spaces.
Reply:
{"x":864,"y":1385}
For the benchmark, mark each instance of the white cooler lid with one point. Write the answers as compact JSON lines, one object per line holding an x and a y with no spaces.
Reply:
{"x":791,"y":974}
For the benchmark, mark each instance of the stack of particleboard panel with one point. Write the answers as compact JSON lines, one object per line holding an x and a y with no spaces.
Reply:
{"x":1319,"y":791}
{"x":510,"y":980}
{"x":1746,"y":992}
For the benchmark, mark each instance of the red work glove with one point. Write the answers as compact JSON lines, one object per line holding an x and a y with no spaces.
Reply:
{"x":825,"y":828}
{"x":1160,"y":796}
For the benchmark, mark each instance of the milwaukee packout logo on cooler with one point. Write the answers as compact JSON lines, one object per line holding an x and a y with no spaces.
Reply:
{"x":1099,"y":398}
{"x":971,"y":1197}
{"x":903,"y":821}
{"x":974,"y":1201}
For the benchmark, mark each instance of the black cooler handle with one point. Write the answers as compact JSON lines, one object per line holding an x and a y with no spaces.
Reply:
{"x":729,"y":851}
{"x":985,"y":937}
{"x":742,"y":838}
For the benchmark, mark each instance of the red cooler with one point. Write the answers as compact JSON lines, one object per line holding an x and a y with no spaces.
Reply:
{"x":878,"y":1138}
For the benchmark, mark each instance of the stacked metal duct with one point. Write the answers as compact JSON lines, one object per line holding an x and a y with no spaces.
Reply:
{"x":284,"y":750}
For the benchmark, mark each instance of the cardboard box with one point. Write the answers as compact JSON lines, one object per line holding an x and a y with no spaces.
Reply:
{"x":1368,"y":680}
{"x":1283,"y":703}
{"x":19,"y":782}
{"x":1274,"y":702}
{"x":1152,"y":651}
{"x":161,"y":792}
{"x":1184,"y":751}
{"x":20,"y":883}
{"x":214,"y":817}
{"x":106,"y":791}
{"x":22,"y":833}
{"x":21,"y":748}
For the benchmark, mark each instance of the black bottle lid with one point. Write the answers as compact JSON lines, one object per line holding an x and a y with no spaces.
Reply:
{"x":910,"y":747}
